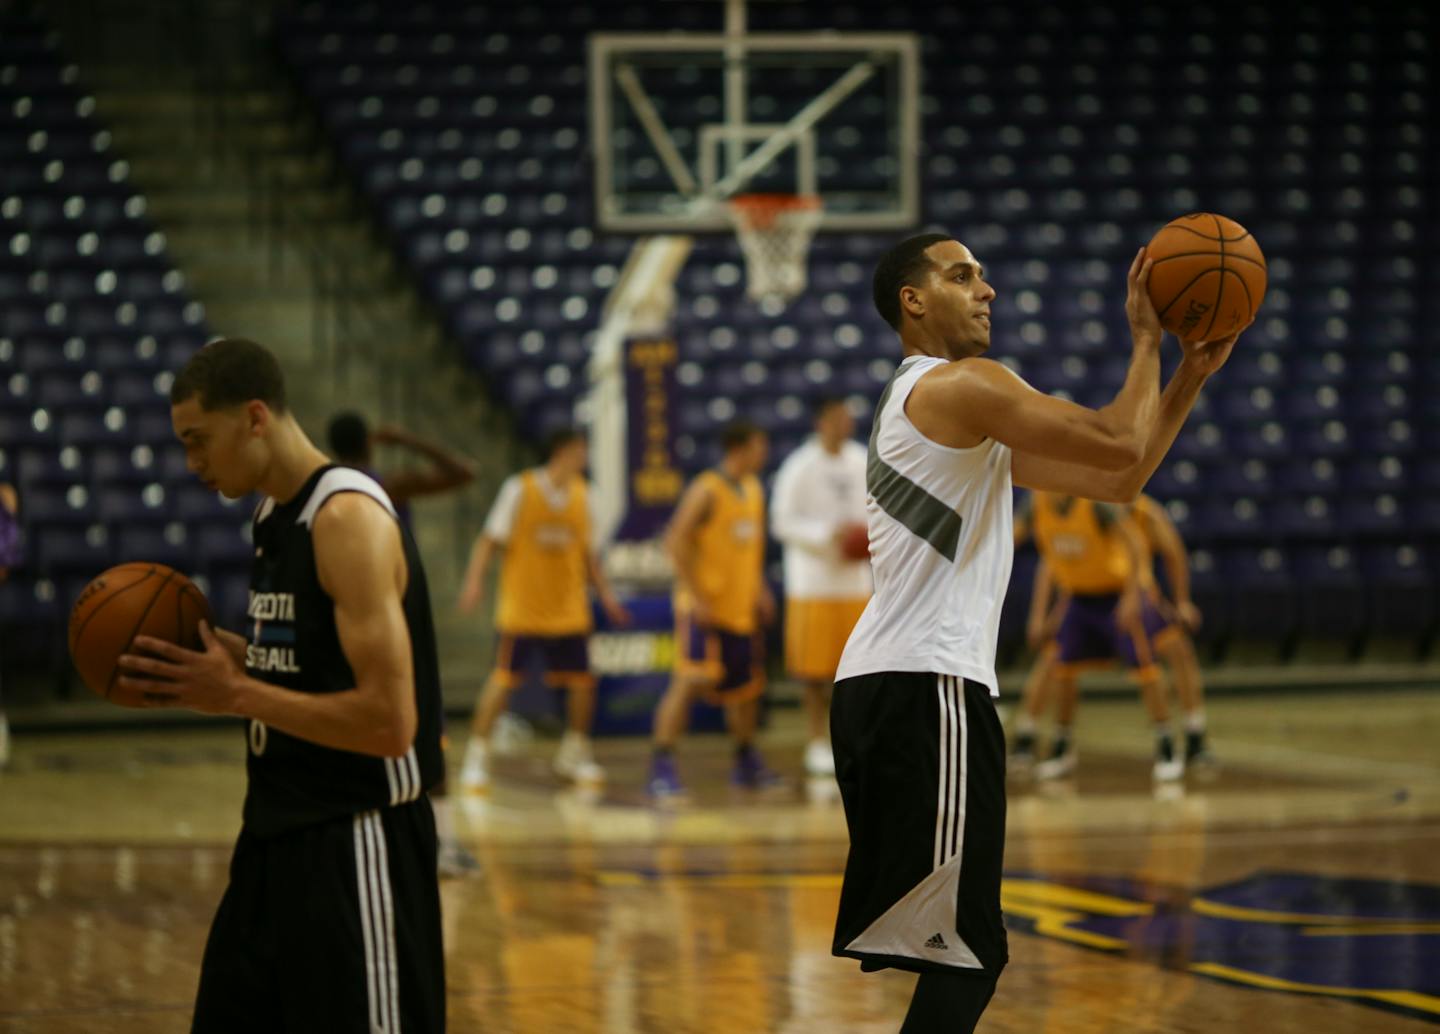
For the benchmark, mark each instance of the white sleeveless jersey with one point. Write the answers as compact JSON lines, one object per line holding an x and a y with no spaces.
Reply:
{"x":941,"y":545}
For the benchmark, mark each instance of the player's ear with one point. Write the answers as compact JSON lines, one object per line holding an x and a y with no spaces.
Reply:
{"x":912,"y":300}
{"x":257,"y":417}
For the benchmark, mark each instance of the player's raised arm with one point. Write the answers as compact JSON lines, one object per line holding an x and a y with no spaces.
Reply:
{"x":1038,"y":468}
{"x":446,"y":469}
{"x":967,"y":402}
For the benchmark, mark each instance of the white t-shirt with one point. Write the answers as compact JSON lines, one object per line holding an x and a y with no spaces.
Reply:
{"x":815,"y":493}
{"x":941,"y":546}
{"x":507,"y":502}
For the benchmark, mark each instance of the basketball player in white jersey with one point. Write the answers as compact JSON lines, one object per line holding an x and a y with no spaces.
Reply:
{"x":820,"y":492}
{"x":919,"y":753}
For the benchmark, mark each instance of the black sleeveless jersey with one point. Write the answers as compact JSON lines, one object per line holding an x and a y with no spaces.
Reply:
{"x":292,"y":641}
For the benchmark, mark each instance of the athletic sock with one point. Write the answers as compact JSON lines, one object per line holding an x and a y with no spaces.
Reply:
{"x":1061,"y":746}
{"x":1024,"y":742}
{"x":1164,"y":743}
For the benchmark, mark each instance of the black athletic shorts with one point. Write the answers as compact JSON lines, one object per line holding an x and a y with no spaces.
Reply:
{"x":331,"y":927}
{"x":921,"y":764}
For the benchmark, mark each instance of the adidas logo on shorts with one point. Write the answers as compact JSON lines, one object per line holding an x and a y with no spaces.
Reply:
{"x":937,"y":942}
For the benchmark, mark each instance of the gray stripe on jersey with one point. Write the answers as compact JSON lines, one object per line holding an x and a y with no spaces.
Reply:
{"x":904,"y":500}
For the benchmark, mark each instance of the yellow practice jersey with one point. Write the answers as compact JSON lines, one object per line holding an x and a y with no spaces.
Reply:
{"x":544,"y":576}
{"x":1080,"y":541}
{"x":730,"y":552}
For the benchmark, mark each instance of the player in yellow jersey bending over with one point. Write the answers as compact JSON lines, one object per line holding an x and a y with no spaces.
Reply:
{"x":541,"y":520}
{"x":717,"y":543}
{"x":1093,"y":553}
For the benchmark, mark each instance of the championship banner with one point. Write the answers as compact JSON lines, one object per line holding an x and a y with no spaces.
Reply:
{"x":653,"y":478}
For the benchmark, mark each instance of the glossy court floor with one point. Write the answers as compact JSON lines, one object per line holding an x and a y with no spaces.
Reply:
{"x":1298,"y":890}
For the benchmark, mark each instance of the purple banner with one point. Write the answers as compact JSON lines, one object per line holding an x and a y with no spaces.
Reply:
{"x":654,"y":480}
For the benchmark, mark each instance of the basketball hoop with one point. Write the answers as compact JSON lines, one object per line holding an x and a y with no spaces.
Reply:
{"x":775,"y":232}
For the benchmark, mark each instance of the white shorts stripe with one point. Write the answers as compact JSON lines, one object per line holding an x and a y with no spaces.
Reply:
{"x":367,"y":921}
{"x":961,"y":783}
{"x":940,"y":794}
{"x":393,"y":777}
{"x":950,"y":793}
{"x":391,"y":968}
{"x":417,"y":788}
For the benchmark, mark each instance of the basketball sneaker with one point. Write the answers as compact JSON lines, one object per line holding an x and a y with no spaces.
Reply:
{"x":1169,"y":766}
{"x":1021,"y":761}
{"x":576,"y":762}
{"x":475,"y":770}
{"x":1061,"y":762}
{"x":1198,"y":754}
{"x":751,"y":772}
{"x":664,"y":781}
{"x":455,"y":862}
{"x":819,"y":758}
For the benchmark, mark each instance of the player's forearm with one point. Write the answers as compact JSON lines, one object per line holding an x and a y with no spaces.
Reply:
{"x":806,"y":533}
{"x":1176,"y":402}
{"x":454,"y":466}
{"x":365,"y":721}
{"x":482,"y":554}
{"x":682,"y":559}
{"x":1177,"y":570}
{"x":1131,"y":415}
{"x":1040,"y":592}
{"x":601,"y":583}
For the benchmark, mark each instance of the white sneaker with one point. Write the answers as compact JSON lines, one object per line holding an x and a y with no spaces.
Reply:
{"x":512,"y":734}
{"x":1168,"y":770}
{"x":575,"y":761}
{"x":475,"y":771}
{"x":819,"y":758}
{"x":1058,"y":767}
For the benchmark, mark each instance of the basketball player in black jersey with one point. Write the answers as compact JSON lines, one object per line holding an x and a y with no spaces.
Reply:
{"x":331,"y":920}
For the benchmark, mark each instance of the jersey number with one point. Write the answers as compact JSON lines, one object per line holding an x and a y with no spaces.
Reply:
{"x":258,"y":737}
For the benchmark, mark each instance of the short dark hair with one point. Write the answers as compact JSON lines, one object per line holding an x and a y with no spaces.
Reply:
{"x":558,"y":439}
{"x":824,"y":404}
{"x":230,"y":372}
{"x":898,"y":267}
{"x":349,"y":436}
{"x":738,"y":433}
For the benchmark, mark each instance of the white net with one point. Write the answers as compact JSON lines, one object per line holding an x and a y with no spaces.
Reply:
{"x":775,"y":232}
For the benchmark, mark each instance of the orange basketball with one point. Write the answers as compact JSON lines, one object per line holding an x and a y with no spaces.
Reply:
{"x":1208,"y":278}
{"x":855,"y":541}
{"x":125,"y":602}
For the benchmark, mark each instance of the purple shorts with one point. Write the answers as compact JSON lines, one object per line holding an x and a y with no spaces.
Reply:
{"x":564,"y":660}
{"x":733,"y":662}
{"x":1090,"y":634}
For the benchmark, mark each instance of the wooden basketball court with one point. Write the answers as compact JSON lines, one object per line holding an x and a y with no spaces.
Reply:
{"x":1295,"y":891}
